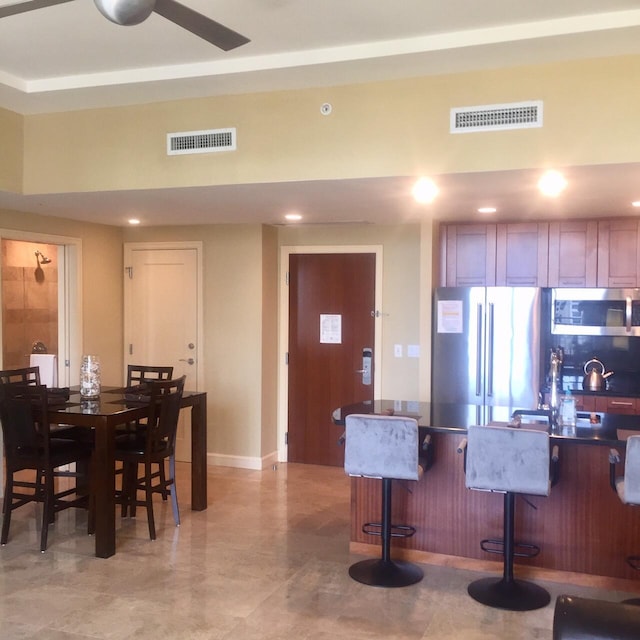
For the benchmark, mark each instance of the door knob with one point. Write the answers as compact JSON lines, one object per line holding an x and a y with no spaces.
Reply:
{"x":188,"y":360}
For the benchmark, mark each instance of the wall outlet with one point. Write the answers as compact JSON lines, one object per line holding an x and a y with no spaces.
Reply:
{"x":397,"y":350}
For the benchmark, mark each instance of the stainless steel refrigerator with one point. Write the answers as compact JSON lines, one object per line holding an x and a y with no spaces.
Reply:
{"x":486,"y":351}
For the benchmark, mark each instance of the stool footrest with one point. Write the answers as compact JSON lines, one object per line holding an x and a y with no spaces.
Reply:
{"x":397,"y":530}
{"x":634,"y":562}
{"x":521,"y":549}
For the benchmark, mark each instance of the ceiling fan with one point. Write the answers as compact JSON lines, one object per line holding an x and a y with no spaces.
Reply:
{"x":130,"y":12}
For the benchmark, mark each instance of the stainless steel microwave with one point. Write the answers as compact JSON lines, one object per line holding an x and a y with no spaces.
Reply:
{"x":595,"y":312}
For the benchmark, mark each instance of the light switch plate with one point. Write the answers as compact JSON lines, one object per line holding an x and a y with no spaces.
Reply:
{"x":397,"y":350}
{"x":413,"y":350}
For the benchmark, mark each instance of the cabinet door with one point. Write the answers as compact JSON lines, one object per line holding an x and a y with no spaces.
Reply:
{"x":585,"y":403}
{"x":470,"y":255}
{"x":573,"y":254}
{"x":618,"y":245}
{"x":522,"y":254}
{"x":608,"y":404}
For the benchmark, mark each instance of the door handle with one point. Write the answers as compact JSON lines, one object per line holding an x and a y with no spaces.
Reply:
{"x":188,"y":360}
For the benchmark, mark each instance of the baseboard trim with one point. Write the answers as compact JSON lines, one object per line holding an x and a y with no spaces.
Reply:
{"x":242,"y":462}
{"x":473,"y":564}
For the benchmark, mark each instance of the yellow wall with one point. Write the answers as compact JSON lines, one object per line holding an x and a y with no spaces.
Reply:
{"x":11,"y":134}
{"x":376,"y":129}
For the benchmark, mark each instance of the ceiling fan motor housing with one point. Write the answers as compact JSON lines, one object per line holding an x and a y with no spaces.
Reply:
{"x":126,"y":12}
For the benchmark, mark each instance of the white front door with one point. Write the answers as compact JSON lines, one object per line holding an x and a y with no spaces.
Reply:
{"x":162,"y":314}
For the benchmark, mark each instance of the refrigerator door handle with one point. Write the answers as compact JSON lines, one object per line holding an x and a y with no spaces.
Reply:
{"x":479,"y":351}
{"x":490,"y":351}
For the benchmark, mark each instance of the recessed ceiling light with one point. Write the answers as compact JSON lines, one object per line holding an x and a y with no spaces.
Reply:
{"x":635,"y":203}
{"x":487,"y":210}
{"x":133,"y":221}
{"x":293,"y":217}
{"x":425,"y":190}
{"x":552,"y":183}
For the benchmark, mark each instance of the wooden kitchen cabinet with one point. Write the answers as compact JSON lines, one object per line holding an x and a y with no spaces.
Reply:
{"x":608,"y":404}
{"x":469,"y":255}
{"x":619,"y":253}
{"x":522,"y":254}
{"x":495,"y":254}
{"x":585,"y":403}
{"x":573,"y":254}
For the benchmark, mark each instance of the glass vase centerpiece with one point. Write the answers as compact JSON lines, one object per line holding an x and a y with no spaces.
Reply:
{"x":90,"y":377}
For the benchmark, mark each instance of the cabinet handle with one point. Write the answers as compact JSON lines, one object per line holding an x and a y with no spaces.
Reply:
{"x":620,"y":403}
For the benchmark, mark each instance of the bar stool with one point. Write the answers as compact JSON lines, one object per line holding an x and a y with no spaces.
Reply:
{"x":627,"y":486}
{"x":384,"y":447}
{"x":511,"y":461}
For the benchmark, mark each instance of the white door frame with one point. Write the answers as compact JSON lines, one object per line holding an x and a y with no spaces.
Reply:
{"x":69,"y":306}
{"x":129,"y":247}
{"x":283,"y":332}
{"x":69,"y":299}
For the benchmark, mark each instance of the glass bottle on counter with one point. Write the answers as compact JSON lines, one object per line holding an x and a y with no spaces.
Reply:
{"x":567,"y":416}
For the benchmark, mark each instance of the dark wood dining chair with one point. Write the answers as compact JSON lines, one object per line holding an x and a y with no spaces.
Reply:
{"x":30,"y":445}
{"x":31,"y":376}
{"x":152,"y":446}
{"x":139,"y":375}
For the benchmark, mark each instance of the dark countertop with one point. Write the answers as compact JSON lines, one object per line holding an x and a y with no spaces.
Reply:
{"x":611,"y":429}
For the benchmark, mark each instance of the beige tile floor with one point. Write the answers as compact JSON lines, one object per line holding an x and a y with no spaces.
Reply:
{"x":267,"y":560}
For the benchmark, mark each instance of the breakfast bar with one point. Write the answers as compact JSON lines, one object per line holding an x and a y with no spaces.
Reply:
{"x":580,"y":527}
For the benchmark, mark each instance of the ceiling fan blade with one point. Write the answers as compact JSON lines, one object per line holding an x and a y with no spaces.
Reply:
{"x":200,"y":25}
{"x":32,"y":5}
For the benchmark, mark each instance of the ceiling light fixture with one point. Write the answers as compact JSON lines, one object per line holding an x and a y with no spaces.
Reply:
{"x":133,"y":221}
{"x":293,"y":217}
{"x":425,"y":190}
{"x":552,"y":183}
{"x":635,"y":203}
{"x":487,"y":210}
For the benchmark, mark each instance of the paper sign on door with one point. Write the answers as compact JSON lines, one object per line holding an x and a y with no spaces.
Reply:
{"x":330,"y":328}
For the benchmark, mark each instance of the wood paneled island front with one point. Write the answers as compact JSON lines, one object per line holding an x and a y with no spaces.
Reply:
{"x":580,"y":527}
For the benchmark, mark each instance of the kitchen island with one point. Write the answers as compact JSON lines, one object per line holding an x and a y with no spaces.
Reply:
{"x":580,"y":527}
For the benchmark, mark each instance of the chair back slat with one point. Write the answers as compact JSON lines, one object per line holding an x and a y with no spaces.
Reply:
{"x":26,"y":375}
{"x":139,"y":374}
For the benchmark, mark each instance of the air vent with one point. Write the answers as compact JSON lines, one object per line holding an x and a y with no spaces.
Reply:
{"x":493,"y":117}
{"x":201,"y":141}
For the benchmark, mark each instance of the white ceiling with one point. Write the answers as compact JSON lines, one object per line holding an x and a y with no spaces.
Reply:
{"x":70,"y":57}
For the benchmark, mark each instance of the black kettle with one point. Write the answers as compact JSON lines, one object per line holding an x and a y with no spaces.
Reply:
{"x":594,"y":375}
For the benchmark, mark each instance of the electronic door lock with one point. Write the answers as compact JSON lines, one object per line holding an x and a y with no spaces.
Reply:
{"x":187,"y":360}
{"x":367,"y":355}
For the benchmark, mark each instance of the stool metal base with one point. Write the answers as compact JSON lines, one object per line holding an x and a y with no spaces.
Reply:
{"x":385,"y":573}
{"x":513,"y":595}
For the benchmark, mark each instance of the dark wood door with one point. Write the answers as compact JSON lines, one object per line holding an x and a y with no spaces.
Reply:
{"x":331,"y":323}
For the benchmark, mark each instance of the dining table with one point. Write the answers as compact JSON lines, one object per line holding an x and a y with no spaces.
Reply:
{"x":102,"y":415}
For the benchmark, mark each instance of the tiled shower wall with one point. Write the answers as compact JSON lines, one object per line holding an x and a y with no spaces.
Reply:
{"x":29,"y":301}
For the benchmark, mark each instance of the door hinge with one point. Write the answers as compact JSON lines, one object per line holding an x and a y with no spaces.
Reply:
{"x":129,"y":271}
{"x":130,"y":349}
{"x":286,"y":278}
{"x":286,"y":437}
{"x":286,"y":358}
